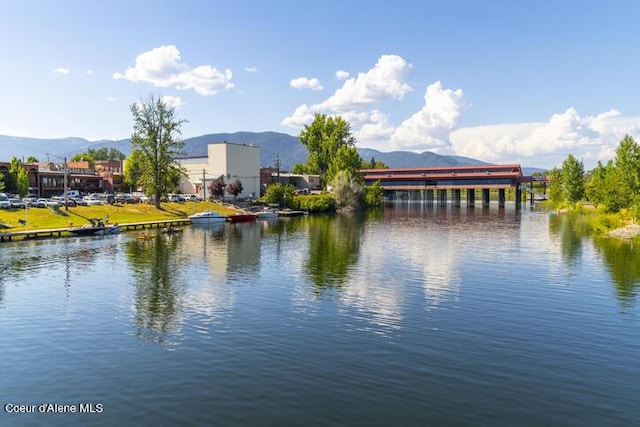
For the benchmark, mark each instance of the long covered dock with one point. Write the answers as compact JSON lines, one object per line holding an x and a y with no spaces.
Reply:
{"x":434,"y":184}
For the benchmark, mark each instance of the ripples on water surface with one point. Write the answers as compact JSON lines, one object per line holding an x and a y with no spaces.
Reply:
{"x":413,"y":316}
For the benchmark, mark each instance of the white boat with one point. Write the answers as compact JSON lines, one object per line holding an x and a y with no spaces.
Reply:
{"x":267,"y":214}
{"x":207,"y":217}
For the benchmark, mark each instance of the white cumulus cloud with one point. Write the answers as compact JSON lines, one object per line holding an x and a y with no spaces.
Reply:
{"x":429,"y":128}
{"x":62,"y":70}
{"x":342,"y":75}
{"x":435,"y":127}
{"x":163,"y":67}
{"x":251,"y":69}
{"x":173,"y":101}
{"x":306,"y":83}
{"x":359,"y":95}
{"x":547,"y":144}
{"x":385,"y":81}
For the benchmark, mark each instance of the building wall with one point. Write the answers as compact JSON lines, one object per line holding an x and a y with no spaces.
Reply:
{"x":237,"y":161}
{"x":194,"y":167}
{"x":231,"y":161}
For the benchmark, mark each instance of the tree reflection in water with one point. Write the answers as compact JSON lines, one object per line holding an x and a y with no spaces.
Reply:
{"x":622,"y":258}
{"x":158,"y":291}
{"x":623,"y":262}
{"x":334,"y":246}
{"x":565,"y":227}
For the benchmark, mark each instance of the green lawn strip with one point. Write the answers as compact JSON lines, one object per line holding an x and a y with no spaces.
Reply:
{"x":47,"y":218}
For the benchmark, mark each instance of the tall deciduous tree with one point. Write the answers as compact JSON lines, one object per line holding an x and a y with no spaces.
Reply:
{"x":615,"y":195}
{"x":324,"y":138}
{"x":628,"y":164}
{"x":133,"y":168}
{"x":595,"y":187}
{"x":555,"y":186}
{"x":572,"y":179}
{"x":18,"y":178}
{"x":156,"y":133}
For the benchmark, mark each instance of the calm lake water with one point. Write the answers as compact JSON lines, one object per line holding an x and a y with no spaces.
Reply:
{"x":412,"y":316}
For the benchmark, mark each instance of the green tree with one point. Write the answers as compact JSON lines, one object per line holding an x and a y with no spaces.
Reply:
{"x":595,"y":188}
{"x":299,"y":169}
{"x":345,"y":159}
{"x":556,"y":194}
{"x":133,"y":170}
{"x":156,"y":133}
{"x":1,"y":181}
{"x":628,"y":163}
{"x":279,"y":194}
{"x":32,"y":159}
{"x":84,"y":157}
{"x":615,"y":194}
{"x":572,"y":179}
{"x":347,"y":190}
{"x":374,"y":164}
{"x":373,"y":194}
{"x":18,"y":181}
{"x":323,"y":138}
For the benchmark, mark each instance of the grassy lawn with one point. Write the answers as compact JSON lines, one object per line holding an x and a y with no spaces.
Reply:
{"x":45,"y":218}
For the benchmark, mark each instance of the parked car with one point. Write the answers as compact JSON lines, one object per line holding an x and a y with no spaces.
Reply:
{"x":80,"y":201}
{"x":175,"y":198}
{"x":34,"y":202}
{"x":124,"y":198}
{"x":60,"y":200}
{"x":17,"y":203}
{"x":4,"y":201}
{"x":49,"y":203}
{"x":92,"y":201}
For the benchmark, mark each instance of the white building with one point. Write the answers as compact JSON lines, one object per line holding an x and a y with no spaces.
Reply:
{"x":226,"y":161}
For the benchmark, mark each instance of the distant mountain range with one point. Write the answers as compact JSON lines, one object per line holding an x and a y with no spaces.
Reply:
{"x":273,"y":145}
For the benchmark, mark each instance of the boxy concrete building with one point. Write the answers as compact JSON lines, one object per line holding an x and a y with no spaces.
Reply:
{"x":226,"y":161}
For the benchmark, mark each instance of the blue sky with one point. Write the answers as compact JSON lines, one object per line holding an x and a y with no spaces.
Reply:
{"x":501,"y":81}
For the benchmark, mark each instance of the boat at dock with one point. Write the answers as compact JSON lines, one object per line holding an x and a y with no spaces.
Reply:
{"x":242,"y":217}
{"x":95,"y":229}
{"x":207,"y":217}
{"x":266,"y":214}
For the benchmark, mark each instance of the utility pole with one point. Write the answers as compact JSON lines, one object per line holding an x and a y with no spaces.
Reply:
{"x":278,"y":166}
{"x":204,"y":187}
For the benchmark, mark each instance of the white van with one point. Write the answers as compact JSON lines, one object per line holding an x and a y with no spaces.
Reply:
{"x":73,"y":193}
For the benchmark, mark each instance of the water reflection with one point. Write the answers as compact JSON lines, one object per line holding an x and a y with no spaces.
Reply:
{"x":158,"y":290}
{"x":622,"y":258}
{"x":566,"y":228}
{"x":623,"y":263}
{"x":334,"y":245}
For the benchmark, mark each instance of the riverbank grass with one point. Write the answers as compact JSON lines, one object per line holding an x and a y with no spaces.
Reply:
{"x":47,"y":218}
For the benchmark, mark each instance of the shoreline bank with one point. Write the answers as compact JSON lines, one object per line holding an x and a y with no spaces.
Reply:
{"x":627,"y":232}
